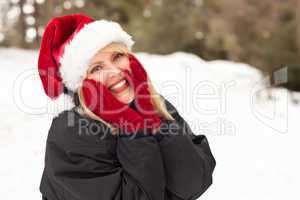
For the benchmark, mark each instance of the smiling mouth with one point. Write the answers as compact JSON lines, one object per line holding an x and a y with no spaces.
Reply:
{"x":119,"y":86}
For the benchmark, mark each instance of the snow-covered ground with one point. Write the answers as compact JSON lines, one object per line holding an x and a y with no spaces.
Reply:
{"x":254,"y":140}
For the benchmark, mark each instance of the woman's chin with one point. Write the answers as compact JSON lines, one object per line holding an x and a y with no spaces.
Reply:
{"x":125,"y":96}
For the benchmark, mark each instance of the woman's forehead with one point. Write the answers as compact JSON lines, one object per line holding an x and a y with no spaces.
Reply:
{"x":106,"y":53}
{"x":109,"y":50}
{"x":113,"y":47}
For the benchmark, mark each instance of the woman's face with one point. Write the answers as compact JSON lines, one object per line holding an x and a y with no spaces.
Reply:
{"x":107,"y":65}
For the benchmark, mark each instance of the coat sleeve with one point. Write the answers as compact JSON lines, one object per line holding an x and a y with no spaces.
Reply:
{"x":189,"y":163}
{"x":141,"y":159}
{"x":78,"y":165}
{"x":81,"y":172}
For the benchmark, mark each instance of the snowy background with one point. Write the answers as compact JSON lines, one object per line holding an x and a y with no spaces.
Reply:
{"x":255,"y":140}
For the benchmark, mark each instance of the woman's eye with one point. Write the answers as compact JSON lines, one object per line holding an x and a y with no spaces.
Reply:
{"x":96,"y":68}
{"x":118,"y":55}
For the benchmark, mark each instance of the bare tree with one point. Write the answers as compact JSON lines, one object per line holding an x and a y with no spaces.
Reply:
{"x":36,"y":16}
{"x":22,"y":23}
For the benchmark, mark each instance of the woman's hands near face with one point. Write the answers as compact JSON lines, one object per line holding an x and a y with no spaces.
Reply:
{"x":143,"y":96}
{"x":137,"y":68}
{"x":104,"y":104}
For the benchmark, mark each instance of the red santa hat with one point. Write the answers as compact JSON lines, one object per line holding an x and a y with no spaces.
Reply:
{"x":68,"y":44}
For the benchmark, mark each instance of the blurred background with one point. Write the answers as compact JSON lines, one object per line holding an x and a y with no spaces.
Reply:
{"x":230,"y":67}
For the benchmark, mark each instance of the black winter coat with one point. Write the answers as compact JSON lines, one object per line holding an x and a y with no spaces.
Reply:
{"x":83,"y":161}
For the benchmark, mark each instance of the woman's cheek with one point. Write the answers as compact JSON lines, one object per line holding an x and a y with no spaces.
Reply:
{"x":125,"y":65}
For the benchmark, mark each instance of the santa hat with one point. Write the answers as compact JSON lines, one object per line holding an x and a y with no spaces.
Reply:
{"x":68,"y":43}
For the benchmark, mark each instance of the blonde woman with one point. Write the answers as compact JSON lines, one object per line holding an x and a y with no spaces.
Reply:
{"x":115,"y":136}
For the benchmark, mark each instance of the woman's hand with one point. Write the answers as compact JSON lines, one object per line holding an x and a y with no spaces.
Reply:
{"x":139,"y":80}
{"x":104,"y":104}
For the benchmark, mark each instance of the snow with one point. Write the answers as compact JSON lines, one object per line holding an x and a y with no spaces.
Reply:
{"x":254,"y":140}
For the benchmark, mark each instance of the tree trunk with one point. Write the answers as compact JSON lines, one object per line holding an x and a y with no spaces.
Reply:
{"x":22,"y":24}
{"x":36,"y":16}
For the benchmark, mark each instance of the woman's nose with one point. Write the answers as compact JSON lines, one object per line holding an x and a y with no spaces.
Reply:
{"x":113,"y":72}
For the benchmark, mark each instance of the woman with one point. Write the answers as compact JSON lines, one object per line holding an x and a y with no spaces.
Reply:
{"x":118,"y":138}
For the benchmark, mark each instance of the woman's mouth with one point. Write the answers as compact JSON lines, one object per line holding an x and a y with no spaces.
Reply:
{"x":120,"y":86}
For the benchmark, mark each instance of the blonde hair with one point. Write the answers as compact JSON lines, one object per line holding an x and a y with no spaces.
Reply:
{"x":155,"y":99}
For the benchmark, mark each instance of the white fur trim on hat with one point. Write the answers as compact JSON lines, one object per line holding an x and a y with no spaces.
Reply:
{"x":85,"y":44}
